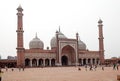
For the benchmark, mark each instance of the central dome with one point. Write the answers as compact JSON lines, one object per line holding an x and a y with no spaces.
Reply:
{"x":53,"y":40}
{"x":36,"y":43}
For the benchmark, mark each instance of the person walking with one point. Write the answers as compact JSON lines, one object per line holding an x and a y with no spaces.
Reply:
{"x":91,"y":68}
{"x":79,"y":69}
{"x":95,"y":67}
{"x":103,"y":67}
{"x":1,"y":74}
{"x":117,"y":66}
{"x":114,"y":66}
{"x":86,"y":67}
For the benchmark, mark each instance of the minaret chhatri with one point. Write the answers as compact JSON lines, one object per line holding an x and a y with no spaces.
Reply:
{"x":20,"y":45}
{"x":101,"y":42}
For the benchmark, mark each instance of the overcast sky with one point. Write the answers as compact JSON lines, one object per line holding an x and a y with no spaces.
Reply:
{"x":45,"y":16}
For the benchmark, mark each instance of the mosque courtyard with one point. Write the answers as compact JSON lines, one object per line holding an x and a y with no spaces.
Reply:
{"x":60,"y":74}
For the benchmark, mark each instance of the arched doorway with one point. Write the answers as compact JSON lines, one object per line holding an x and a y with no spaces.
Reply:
{"x":84,"y":61}
{"x":80,"y":61}
{"x":97,"y":61}
{"x":64,"y":60}
{"x":27,"y":62}
{"x":93,"y":61}
{"x":46,"y":62}
{"x":40,"y":62}
{"x":34,"y":62}
{"x":89,"y":61}
{"x":53,"y":62}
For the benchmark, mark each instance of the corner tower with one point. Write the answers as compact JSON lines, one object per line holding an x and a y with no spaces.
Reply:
{"x":20,"y":45}
{"x":101,"y":42}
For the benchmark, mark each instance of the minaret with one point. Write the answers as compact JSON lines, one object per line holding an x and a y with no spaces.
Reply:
{"x":57,"y":50}
{"x":101,"y":42}
{"x":77,"y":38}
{"x":20,"y":45}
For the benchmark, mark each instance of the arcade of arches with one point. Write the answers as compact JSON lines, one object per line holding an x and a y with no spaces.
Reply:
{"x":39,"y":62}
{"x":64,"y":60}
{"x":67,"y":58}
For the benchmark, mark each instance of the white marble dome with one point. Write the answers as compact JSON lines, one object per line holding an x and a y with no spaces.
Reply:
{"x":53,"y":40}
{"x":81,"y":45}
{"x":36,"y":43}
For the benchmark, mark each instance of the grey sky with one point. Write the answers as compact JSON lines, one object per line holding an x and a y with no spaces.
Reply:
{"x":45,"y":16}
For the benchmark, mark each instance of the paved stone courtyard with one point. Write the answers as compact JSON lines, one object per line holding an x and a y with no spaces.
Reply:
{"x":60,"y":74}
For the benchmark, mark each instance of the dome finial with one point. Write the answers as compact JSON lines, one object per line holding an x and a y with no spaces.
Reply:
{"x":59,"y":28}
{"x":19,"y":6}
{"x":36,"y":35}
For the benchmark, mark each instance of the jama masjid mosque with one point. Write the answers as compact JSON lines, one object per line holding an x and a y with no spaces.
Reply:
{"x":63,"y":52}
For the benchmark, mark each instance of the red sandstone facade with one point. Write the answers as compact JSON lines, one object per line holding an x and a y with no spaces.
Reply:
{"x":63,"y":52}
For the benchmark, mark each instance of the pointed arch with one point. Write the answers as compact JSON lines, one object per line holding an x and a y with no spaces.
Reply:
{"x":34,"y":62}
{"x":64,"y":60}
{"x":69,"y":51}
{"x":52,"y":62}
{"x":27,"y":62}
{"x":47,"y":62}
{"x":40,"y":62}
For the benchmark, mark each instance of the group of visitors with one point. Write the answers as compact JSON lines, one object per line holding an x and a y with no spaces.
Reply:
{"x":94,"y":67}
{"x":1,"y":74}
{"x":90,"y":67}
{"x":87,"y":67}
{"x":115,"y":66}
{"x":12,"y":69}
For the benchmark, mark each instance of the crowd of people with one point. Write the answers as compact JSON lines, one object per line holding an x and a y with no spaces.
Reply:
{"x":94,"y":67}
{"x":87,"y":68}
{"x":12,"y":69}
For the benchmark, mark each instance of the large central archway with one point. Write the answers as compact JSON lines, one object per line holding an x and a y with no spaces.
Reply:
{"x":68,"y":55}
{"x":64,"y":60}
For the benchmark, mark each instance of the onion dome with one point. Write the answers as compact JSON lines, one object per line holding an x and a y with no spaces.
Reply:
{"x":53,"y":40}
{"x":36,"y":43}
{"x":81,"y":45}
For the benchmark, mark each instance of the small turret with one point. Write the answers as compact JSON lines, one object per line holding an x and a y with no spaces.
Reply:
{"x":20,"y":8}
{"x":100,"y":21}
